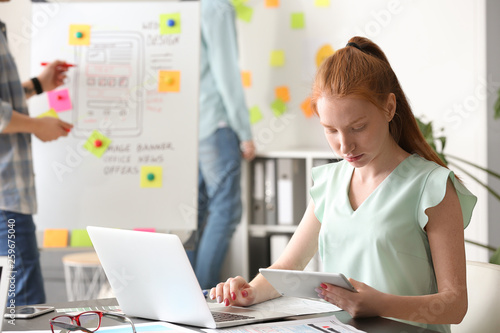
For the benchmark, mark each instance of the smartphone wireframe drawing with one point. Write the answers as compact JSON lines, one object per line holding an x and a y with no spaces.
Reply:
{"x":107,"y":85}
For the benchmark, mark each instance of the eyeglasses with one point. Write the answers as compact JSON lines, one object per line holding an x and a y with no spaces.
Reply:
{"x":88,"y":322}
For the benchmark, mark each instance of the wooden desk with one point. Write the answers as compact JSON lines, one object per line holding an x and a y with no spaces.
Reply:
{"x":371,"y":325}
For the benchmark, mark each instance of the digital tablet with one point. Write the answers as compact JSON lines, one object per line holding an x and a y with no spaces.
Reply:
{"x":301,"y":283}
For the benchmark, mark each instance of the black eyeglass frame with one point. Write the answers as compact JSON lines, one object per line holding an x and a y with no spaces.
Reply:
{"x":76,"y":319}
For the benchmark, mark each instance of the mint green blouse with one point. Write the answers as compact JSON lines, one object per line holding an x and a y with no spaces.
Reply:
{"x":383,"y":242}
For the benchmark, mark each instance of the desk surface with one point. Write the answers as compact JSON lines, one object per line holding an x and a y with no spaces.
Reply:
{"x":371,"y":325}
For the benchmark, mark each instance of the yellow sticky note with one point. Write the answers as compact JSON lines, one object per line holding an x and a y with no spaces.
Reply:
{"x":55,"y":238}
{"x":297,"y":21}
{"x":246,"y":78}
{"x":169,"y":81}
{"x":306,"y":107}
{"x":322,"y":3}
{"x":79,"y":34}
{"x":277,"y":58}
{"x":243,"y":12}
{"x":278,"y":107}
{"x":151,"y":176}
{"x":97,"y":143}
{"x":255,"y":115}
{"x":51,"y":113}
{"x":80,"y":238}
{"x":324,"y":52}
{"x":283,"y":93}
{"x":170,"y":24}
{"x":272,"y":3}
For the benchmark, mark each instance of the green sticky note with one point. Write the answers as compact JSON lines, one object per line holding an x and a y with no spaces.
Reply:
{"x":322,"y":3}
{"x":243,"y":12}
{"x":170,"y":24}
{"x":277,"y":58}
{"x":97,"y":143}
{"x":255,"y":115}
{"x":297,"y":21}
{"x":80,"y":238}
{"x":278,"y":107}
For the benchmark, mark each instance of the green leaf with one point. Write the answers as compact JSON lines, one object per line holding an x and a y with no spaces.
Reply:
{"x":497,"y":106}
{"x":495,"y":258}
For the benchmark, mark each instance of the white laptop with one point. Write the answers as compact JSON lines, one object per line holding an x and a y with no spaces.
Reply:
{"x":4,"y":286}
{"x":151,"y":277}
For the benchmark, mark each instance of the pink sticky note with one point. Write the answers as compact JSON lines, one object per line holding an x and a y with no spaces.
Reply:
{"x":145,"y":229}
{"x":59,"y":100}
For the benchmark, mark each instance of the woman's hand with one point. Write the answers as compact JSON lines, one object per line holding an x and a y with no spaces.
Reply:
{"x":365,"y":303}
{"x":48,"y":128}
{"x":53,"y":75}
{"x":235,"y":291}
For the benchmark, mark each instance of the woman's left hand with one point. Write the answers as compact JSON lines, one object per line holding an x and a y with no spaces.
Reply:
{"x":365,"y":303}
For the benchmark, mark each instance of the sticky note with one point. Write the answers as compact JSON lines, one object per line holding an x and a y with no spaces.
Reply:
{"x":322,"y":3}
{"x":80,"y":238}
{"x":278,"y":107}
{"x":297,"y":20}
{"x":272,"y":3}
{"x":306,"y":107}
{"x":169,"y":81}
{"x":255,"y":115}
{"x":151,"y":176}
{"x":51,"y":113}
{"x":55,"y":238}
{"x":283,"y":93}
{"x":170,"y":24}
{"x":145,"y":229}
{"x":246,"y":78}
{"x":243,"y":12}
{"x":324,"y":52}
{"x":59,"y":100}
{"x":277,"y":58}
{"x":79,"y":34}
{"x":97,"y":143}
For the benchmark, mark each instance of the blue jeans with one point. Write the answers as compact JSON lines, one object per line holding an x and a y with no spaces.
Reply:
{"x":219,"y":203}
{"x":25,"y":255}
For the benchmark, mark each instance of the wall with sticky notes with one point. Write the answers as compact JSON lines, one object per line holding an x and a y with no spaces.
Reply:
{"x":438,"y":54}
{"x":131,"y":159}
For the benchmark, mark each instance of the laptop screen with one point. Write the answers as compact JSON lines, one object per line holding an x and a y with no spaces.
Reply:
{"x":4,"y":287}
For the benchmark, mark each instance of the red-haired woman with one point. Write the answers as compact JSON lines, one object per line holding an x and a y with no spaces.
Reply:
{"x":390,"y":215}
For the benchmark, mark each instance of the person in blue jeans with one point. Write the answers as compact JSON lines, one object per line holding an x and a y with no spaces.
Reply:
{"x":224,"y":138}
{"x":17,"y":184}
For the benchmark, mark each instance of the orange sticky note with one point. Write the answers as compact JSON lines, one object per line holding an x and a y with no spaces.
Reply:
{"x":283,"y":93}
{"x":79,"y":34}
{"x":169,"y":81}
{"x":272,"y":3}
{"x":246,"y":78}
{"x":306,"y":107}
{"x":55,"y":238}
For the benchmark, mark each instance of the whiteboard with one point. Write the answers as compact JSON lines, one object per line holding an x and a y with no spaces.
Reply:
{"x":115,"y":88}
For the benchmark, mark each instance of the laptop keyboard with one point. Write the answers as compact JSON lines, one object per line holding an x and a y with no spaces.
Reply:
{"x":224,"y":316}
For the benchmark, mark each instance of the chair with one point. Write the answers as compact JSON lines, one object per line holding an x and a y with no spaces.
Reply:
{"x":84,"y":276}
{"x":483,"y":288}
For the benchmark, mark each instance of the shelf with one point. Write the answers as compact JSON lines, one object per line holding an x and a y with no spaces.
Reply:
{"x":266,"y":230}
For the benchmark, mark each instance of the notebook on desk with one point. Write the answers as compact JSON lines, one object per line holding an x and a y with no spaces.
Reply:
{"x":4,"y":286}
{"x":152,"y":278}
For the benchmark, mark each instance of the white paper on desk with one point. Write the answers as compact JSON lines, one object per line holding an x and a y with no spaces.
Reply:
{"x":314,"y":325}
{"x":296,"y":306}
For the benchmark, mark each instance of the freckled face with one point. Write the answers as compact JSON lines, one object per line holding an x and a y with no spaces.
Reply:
{"x":356,"y":129}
